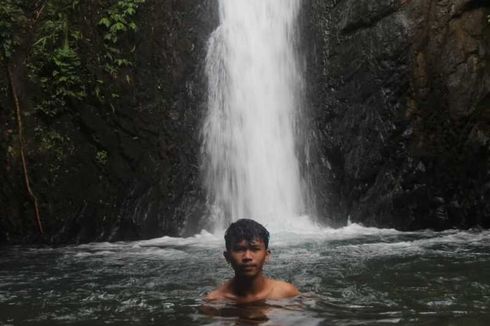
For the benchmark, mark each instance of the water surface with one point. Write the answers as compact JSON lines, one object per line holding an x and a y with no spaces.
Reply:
{"x":351,"y":276}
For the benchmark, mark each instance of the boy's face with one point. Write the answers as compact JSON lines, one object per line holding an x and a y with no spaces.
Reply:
{"x":247,"y":257}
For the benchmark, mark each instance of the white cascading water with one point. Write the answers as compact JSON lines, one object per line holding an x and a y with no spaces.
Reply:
{"x":250,"y":166}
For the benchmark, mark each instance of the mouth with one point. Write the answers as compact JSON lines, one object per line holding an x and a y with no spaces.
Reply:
{"x":248,"y":267}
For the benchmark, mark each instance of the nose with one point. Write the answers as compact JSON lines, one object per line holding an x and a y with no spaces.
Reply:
{"x":247,"y":255}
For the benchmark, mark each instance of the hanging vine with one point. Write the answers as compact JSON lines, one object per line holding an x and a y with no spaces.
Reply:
{"x":20,"y":45}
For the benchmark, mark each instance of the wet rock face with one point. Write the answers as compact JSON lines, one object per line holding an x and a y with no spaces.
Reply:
{"x":399,"y":93}
{"x":131,"y":170}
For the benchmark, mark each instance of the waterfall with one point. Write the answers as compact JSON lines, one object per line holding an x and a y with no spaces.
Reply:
{"x":250,"y":166}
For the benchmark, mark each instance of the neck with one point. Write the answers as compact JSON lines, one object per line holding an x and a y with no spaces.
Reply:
{"x":244,"y":286}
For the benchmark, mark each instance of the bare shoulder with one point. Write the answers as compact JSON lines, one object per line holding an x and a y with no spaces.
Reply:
{"x":214,"y":295}
{"x":220,"y":293}
{"x":282,"y":289}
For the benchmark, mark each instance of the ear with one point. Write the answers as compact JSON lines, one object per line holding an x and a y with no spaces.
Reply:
{"x":227,"y":256}
{"x":268,"y":255}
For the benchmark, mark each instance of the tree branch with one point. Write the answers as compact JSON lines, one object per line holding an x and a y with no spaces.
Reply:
{"x":22,"y":154}
{"x":38,"y":13}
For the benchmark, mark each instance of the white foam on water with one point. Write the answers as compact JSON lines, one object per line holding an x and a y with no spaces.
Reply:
{"x":171,"y":246}
{"x":281,"y":238}
{"x":203,"y":239}
{"x":353,"y":230}
{"x":387,"y":242}
{"x":454,"y":242}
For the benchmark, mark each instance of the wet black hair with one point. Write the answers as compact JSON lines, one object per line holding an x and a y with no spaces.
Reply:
{"x":246,"y":229}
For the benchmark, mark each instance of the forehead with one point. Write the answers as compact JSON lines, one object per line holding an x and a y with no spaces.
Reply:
{"x":245,"y":242}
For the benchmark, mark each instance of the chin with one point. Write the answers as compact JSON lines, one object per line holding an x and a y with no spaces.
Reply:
{"x":251,"y":274}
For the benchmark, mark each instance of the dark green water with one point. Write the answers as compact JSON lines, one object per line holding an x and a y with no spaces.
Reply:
{"x":352,"y":276}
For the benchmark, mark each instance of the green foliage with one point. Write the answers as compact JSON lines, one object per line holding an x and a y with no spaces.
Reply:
{"x":61,"y":53}
{"x":118,"y":20}
{"x":66,"y":80}
{"x":101,"y":157}
{"x":60,"y":81}
{"x":55,"y":147}
{"x":12,"y":20}
{"x":55,"y":27}
{"x":55,"y":62}
{"x":71,"y":56}
{"x":51,"y":141}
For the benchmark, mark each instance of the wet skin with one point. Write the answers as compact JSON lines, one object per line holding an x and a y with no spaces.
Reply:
{"x":247,"y":259}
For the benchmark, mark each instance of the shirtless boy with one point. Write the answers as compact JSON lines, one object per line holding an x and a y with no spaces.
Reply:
{"x":247,"y":250}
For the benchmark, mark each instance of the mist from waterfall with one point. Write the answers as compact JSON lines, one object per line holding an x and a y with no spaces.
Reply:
{"x":250,"y":166}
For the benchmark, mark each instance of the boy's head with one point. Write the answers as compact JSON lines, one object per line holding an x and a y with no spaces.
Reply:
{"x":246,"y":248}
{"x":246,"y":229}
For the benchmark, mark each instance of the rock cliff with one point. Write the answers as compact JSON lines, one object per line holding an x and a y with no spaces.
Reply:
{"x":128,"y":170}
{"x":399,"y":96}
{"x":397,"y":115}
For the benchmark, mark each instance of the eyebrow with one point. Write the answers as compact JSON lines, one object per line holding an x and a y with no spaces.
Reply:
{"x":249,"y":244}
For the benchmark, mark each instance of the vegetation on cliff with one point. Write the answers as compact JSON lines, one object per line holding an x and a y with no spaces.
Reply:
{"x":57,"y":53}
{"x":110,"y":94}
